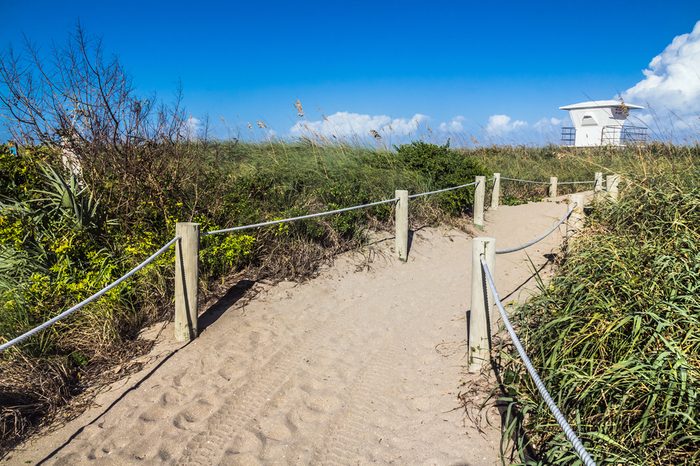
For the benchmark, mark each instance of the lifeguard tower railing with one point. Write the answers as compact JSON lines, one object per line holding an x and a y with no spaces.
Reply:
{"x":610,"y":136}
{"x":568,"y":135}
{"x":624,"y":135}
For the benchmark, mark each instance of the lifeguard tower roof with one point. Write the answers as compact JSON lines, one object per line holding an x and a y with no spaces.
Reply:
{"x":598,"y":104}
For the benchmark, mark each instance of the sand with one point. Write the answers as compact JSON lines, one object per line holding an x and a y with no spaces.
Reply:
{"x":360,"y":365}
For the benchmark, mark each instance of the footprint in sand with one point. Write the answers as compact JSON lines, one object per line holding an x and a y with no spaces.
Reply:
{"x":244,"y":442}
{"x":184,"y":419}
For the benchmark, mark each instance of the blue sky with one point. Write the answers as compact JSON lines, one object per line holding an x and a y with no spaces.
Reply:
{"x":452,"y":63}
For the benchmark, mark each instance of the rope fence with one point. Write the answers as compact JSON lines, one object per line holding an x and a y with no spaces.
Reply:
{"x":539,"y":238}
{"x":303,"y":217}
{"x":577,"y":182}
{"x":154,"y":256}
{"x":524,"y":181}
{"x":561,"y":420}
{"x":86,"y":301}
{"x":483,"y":262}
{"x":479,"y":321}
{"x":548,"y":182}
{"x":554,"y":182}
{"x":188,"y":252}
{"x":437,"y":191}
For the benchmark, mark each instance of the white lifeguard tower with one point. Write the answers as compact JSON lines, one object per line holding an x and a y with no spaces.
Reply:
{"x":601,"y":123}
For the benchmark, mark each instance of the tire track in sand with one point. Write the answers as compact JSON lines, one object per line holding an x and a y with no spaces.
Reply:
{"x":346,"y":438}
{"x":241,"y":407}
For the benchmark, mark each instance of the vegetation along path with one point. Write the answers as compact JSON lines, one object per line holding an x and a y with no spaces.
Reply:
{"x":361,"y":365}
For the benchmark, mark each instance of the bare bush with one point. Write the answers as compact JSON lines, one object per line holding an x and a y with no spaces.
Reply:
{"x":84,"y":105}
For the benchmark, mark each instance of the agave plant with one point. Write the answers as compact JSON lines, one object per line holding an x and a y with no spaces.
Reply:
{"x":65,"y":196}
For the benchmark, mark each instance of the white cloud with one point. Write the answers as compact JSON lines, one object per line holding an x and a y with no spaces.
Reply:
{"x":346,"y":124}
{"x":672,"y":80}
{"x":547,"y":124}
{"x":499,"y":125}
{"x":193,"y":128}
{"x":453,"y":126}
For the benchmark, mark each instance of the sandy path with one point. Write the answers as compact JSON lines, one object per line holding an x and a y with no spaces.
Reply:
{"x":356,"y":366}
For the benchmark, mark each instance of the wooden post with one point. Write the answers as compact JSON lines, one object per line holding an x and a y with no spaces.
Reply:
{"x":598,"y":185}
{"x":552,"y":186}
{"x":479,"y":194}
{"x":611,"y":183}
{"x":496,"y":193}
{"x":402,"y":224}
{"x":478,"y":324}
{"x":186,"y":280}
{"x":577,"y":215}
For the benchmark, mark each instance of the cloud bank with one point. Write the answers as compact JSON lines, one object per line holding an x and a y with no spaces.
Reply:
{"x":499,"y":129}
{"x":671,"y":90}
{"x":343,"y":125}
{"x":672,"y":80}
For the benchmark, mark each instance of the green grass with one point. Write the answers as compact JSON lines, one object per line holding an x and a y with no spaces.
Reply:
{"x":614,"y":335}
{"x":577,"y":164}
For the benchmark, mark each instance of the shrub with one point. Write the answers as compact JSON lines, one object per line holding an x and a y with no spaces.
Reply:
{"x":445,"y":168}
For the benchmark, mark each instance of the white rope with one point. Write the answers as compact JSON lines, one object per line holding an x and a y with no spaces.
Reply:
{"x":92,"y":298}
{"x":547,"y":182}
{"x":301,"y":217}
{"x":412,"y":196}
{"x":524,"y":181}
{"x":331,"y":212}
{"x":540,"y":238}
{"x":576,"y":182}
{"x":568,"y":431}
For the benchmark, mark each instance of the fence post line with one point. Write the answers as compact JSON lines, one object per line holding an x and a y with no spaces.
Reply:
{"x":478,"y":324}
{"x":552,"y":186}
{"x":402,"y":224}
{"x":479,"y":194}
{"x":186,"y":280}
{"x":611,"y":182}
{"x":496,"y":193}
{"x":598,"y":185}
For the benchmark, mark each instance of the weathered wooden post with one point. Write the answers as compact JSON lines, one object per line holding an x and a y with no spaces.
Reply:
{"x":186,"y":280}
{"x":478,"y":324}
{"x":552,"y":186}
{"x":598,"y":184}
{"x":402,"y":224}
{"x":577,"y":215}
{"x":479,"y":194}
{"x":611,"y":183}
{"x":496,"y":193}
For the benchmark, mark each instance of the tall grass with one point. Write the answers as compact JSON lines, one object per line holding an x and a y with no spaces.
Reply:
{"x":614,"y":335}
{"x":578,"y":164}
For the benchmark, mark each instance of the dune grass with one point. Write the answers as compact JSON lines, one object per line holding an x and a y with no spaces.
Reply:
{"x":578,"y":164}
{"x":614,"y":333}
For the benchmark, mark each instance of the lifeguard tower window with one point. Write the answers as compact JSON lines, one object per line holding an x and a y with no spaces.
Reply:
{"x":588,"y":120}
